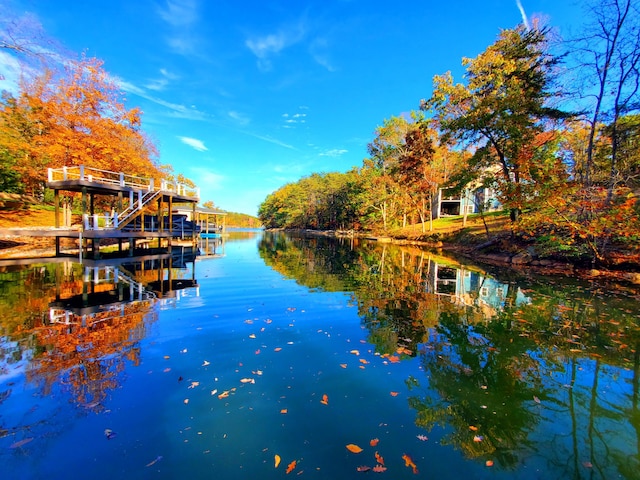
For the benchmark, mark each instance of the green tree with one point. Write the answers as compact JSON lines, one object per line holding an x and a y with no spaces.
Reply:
{"x":501,"y":108}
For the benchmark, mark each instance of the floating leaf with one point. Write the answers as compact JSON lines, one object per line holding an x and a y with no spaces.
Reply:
{"x":478,"y":438}
{"x":24,"y":441}
{"x":277,"y":349}
{"x":194,"y":384}
{"x":489,"y":463}
{"x":355,"y":352}
{"x":276,"y":459}
{"x":408,"y":462}
{"x":393,"y":394}
{"x":283,"y":411}
{"x":247,"y":380}
{"x":291,"y":467}
{"x":224,"y":394}
{"x":325,"y":399}
{"x":423,"y":438}
{"x":374,"y":441}
{"x":343,"y":365}
{"x":258,"y":352}
{"x":379,"y":468}
{"x":473,"y":428}
{"x":353,"y":448}
{"x":379,"y":458}
{"x":205,"y":363}
{"x":253,"y":335}
{"x":154,"y":461}
{"x":166,"y":357}
{"x":186,"y":400}
{"x":536,"y":399}
{"x":362,"y":360}
{"x":363,"y":468}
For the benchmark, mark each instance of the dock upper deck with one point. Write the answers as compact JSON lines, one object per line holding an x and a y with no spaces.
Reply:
{"x":103,"y":182}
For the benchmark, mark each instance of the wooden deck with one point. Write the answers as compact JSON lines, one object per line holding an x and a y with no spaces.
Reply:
{"x":135,"y":195}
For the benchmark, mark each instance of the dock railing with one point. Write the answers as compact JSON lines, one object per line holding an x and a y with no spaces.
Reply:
{"x":119,"y":179}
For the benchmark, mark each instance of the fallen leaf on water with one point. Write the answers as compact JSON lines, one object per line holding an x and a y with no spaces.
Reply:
{"x":362,"y":360}
{"x":394,"y":358}
{"x":393,"y":394}
{"x":257,"y":372}
{"x":224,"y":394}
{"x":155,"y":460}
{"x":353,"y":448}
{"x":214,"y":391}
{"x":343,"y":365}
{"x":473,"y":428}
{"x":167,"y":357}
{"x":408,"y":462}
{"x":107,"y":433}
{"x":247,"y":380}
{"x":379,"y":458}
{"x":166,"y":370}
{"x":276,"y":459}
{"x":374,"y":441}
{"x":379,"y":468}
{"x":253,"y":335}
{"x":363,"y":468}
{"x":24,"y":441}
{"x":478,"y":438}
{"x":277,"y":349}
{"x":283,"y":411}
{"x":205,"y":363}
{"x":194,"y":384}
{"x":355,"y":352}
{"x":587,"y":464}
{"x":536,"y":399}
{"x":258,"y":352}
{"x":186,"y":400}
{"x":423,"y":438}
{"x":489,"y":463}
{"x":325,"y":399}
{"x":291,"y":466}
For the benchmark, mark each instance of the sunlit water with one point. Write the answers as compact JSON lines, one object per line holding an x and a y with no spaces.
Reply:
{"x":303,"y":352}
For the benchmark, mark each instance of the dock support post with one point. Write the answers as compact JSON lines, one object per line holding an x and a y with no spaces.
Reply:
{"x":56,"y":206}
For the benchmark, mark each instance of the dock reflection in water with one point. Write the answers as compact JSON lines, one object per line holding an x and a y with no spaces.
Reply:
{"x":78,"y":325}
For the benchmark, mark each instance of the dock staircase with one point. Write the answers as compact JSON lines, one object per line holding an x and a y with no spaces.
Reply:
{"x":141,"y":193}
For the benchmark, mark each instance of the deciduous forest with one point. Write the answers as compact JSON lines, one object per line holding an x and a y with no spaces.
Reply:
{"x":550,"y":125}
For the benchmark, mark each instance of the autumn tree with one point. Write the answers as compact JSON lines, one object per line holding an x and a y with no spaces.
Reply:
{"x":74,"y":117}
{"x":502,"y":107}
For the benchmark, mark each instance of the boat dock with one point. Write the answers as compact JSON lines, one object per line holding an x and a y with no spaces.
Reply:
{"x":142,"y":211}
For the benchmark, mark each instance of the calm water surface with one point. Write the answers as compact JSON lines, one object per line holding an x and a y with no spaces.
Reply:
{"x":324,"y":356}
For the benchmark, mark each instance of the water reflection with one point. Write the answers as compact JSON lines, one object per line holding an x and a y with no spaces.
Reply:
{"x":77,"y":325}
{"x":520,"y":370}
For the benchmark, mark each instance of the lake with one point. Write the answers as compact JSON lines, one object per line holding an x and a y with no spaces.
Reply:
{"x":272,"y":356}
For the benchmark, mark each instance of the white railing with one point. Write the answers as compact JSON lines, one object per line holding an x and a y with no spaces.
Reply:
{"x":120,"y":179}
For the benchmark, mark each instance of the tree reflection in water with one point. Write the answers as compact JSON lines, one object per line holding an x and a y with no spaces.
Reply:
{"x":518,"y":370}
{"x":78,"y":327}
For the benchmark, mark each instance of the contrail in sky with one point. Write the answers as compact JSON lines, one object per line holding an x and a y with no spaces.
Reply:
{"x":524,"y":15}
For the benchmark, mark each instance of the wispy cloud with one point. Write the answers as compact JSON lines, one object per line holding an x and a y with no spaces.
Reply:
{"x":179,"y":13}
{"x":293,"y":119}
{"x":176,"y":110}
{"x":525,"y":20}
{"x":335,"y":152}
{"x":239,"y":118}
{"x":266,"y":46}
{"x":319,"y":52}
{"x":270,"y":139}
{"x":160,"y":83}
{"x":194,"y":143}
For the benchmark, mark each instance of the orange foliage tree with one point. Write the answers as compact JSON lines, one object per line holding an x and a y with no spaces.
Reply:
{"x":74,"y":117}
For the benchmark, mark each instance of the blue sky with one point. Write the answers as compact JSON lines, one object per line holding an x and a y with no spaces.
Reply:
{"x":244,"y":97}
